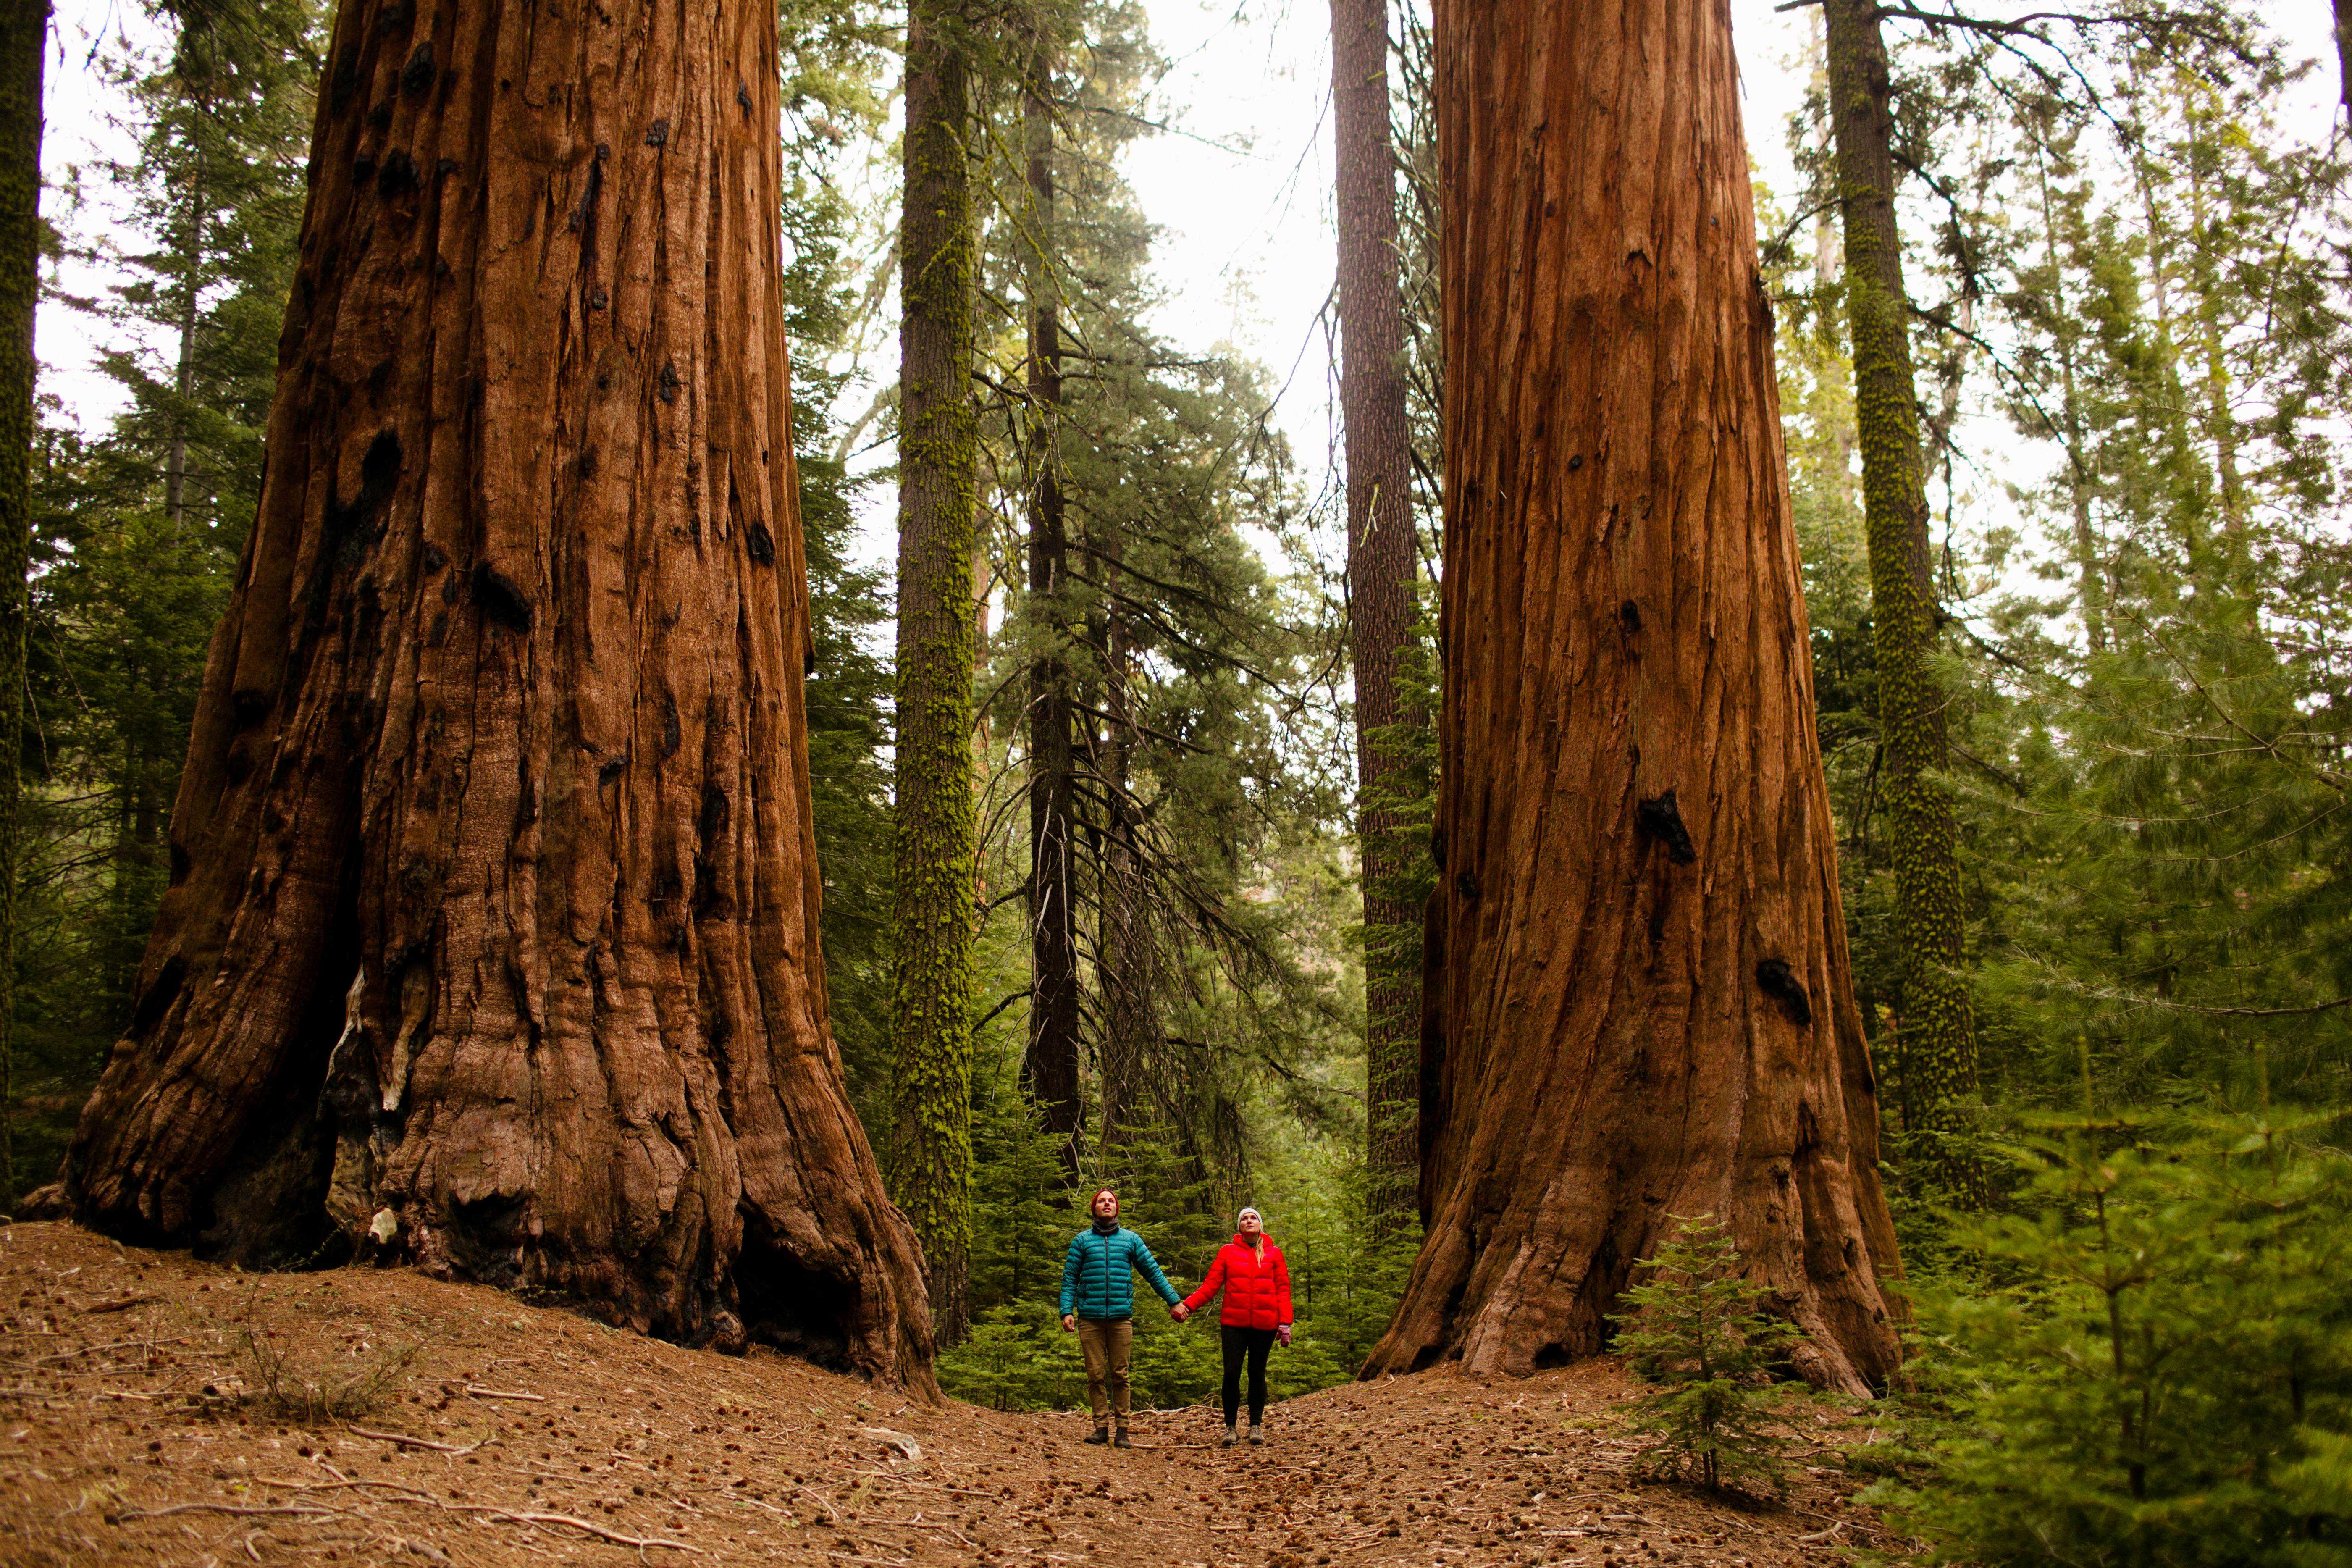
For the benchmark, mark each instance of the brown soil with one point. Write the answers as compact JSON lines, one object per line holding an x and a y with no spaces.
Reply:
{"x":134,"y":1430}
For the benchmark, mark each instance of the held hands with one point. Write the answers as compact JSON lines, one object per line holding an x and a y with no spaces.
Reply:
{"x":1283,"y":1334}
{"x":1069,"y":1323}
{"x":1179,"y":1312}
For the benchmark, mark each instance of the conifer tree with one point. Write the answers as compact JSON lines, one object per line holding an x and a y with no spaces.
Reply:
{"x":931,"y":1133}
{"x":1938,"y":1016}
{"x":24,"y":45}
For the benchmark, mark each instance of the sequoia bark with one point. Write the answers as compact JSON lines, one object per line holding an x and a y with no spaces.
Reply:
{"x":1646,"y":1009}
{"x":493,"y":915}
{"x":1380,"y":569}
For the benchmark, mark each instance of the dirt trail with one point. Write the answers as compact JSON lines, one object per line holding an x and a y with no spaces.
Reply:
{"x":520,"y":1434}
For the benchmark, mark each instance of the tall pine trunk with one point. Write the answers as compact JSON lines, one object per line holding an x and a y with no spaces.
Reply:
{"x":1054,"y":1056}
{"x":938,"y":443}
{"x":1646,"y":1010}
{"x":23,"y":41}
{"x":1938,"y":1028}
{"x":1380,"y":572}
{"x":493,"y":916}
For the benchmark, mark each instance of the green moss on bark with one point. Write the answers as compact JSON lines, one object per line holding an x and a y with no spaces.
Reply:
{"x":931,"y":1144}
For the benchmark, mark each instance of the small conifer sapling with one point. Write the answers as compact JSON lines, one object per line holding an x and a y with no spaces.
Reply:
{"x":1693,"y":1330}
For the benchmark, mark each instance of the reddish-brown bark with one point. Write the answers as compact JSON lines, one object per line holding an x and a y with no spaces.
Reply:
{"x":1645,"y":1003}
{"x":1380,"y":557}
{"x":493,"y":920}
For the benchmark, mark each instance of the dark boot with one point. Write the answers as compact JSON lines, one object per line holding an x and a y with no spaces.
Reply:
{"x":1102,"y":1435}
{"x":1119,"y":1439}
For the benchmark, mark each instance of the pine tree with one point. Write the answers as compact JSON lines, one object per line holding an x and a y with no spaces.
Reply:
{"x":930,"y":1145}
{"x":24,"y":45}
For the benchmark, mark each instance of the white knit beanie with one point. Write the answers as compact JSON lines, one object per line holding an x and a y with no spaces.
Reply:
{"x":1245,"y":1213}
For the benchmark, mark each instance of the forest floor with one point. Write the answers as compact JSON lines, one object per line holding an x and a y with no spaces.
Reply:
{"x":132,"y":1431}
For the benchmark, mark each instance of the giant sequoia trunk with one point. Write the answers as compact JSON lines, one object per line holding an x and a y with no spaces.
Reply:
{"x":1379,"y":565}
{"x":1938,"y":1025}
{"x":1645,"y":1007}
{"x":492,"y":929}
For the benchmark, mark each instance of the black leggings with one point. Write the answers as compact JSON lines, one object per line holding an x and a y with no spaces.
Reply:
{"x":1255,"y":1343}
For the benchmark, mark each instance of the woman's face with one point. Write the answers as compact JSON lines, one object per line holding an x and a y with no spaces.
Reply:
{"x":1251,"y":1224}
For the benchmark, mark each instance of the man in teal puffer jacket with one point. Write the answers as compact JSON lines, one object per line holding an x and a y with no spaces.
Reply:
{"x":1098,"y":1305}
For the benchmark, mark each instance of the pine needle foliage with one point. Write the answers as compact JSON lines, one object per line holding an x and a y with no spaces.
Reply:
{"x":2156,"y":1365}
{"x":1695,"y":1331}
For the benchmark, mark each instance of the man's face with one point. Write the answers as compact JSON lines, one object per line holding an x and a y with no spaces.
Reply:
{"x":1106,"y":1207}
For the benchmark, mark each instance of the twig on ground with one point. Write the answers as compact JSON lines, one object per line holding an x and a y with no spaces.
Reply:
{"x":503,"y":1394}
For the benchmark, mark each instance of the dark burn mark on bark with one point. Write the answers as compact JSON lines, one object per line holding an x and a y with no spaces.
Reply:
{"x":250,"y":706}
{"x":657,"y":134}
{"x":449,"y":590}
{"x":395,"y":17}
{"x":669,"y":381}
{"x":711,"y":821}
{"x":181,"y":863}
{"x":346,"y":80}
{"x":379,"y":117}
{"x":588,"y":461}
{"x":761,"y":544}
{"x":157,"y":999}
{"x":416,"y":76}
{"x":1628,"y":615}
{"x":1465,"y":884}
{"x":363,"y":169}
{"x":436,"y":558}
{"x":1437,"y":847}
{"x":350,"y":526}
{"x":398,"y":176}
{"x":1662,"y":819}
{"x":598,"y":299}
{"x":500,"y":602}
{"x":1778,"y":981}
{"x":743,"y":97}
{"x":1575,"y":462}
{"x":612,"y":769}
{"x":670,"y":733}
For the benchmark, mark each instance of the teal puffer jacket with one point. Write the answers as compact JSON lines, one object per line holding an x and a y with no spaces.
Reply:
{"x":1099,"y":1275}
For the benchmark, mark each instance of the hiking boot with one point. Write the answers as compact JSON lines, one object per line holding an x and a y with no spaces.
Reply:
{"x":1232,"y":1438}
{"x":1102,"y":1435}
{"x":1257,"y":1433}
{"x":1119,"y":1440}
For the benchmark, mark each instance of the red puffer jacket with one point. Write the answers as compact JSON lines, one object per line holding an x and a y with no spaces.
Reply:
{"x":1257,"y":1283}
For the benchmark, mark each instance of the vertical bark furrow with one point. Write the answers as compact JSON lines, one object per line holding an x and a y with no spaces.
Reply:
{"x":496,"y":809}
{"x":1606,"y":1055}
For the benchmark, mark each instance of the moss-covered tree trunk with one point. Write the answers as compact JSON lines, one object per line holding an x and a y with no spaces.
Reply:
{"x":1053,"y":1060}
{"x":1647,"y":1010}
{"x":930,"y":1165}
{"x":1938,"y":1028}
{"x":492,"y":930}
{"x":24,"y":36}
{"x":1380,"y":573}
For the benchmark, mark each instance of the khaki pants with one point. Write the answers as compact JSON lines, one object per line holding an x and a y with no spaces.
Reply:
{"x":1105,"y":1346}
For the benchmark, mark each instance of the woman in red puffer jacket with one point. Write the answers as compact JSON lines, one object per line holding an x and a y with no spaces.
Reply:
{"x":1256,"y":1282}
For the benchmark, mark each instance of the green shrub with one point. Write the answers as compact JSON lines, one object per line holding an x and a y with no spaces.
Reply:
{"x":2154,"y":1367}
{"x":1694,"y":1331}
